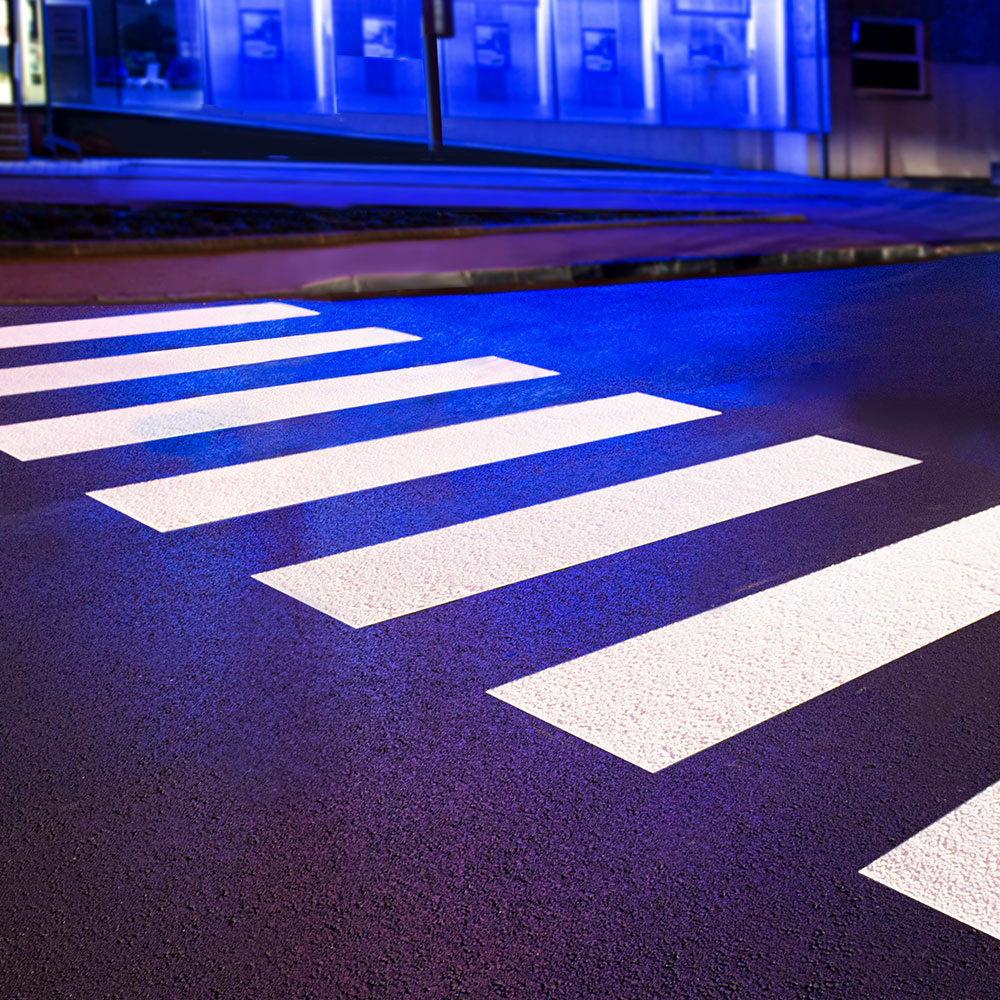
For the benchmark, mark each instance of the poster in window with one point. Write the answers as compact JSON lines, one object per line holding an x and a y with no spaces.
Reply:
{"x":721,"y":43}
{"x":600,"y":50}
{"x":493,"y":46}
{"x":260,"y":35}
{"x":378,"y":37}
{"x":714,"y":8}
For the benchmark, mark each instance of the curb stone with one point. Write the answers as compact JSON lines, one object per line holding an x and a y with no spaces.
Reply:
{"x":665,"y":269}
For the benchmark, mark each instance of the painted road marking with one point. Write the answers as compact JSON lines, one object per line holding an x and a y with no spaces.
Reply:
{"x":96,"y":327}
{"x":379,"y":582}
{"x":952,"y":865}
{"x":150,"y":364}
{"x":216,"y":494}
{"x":198,"y":414}
{"x":656,"y":699}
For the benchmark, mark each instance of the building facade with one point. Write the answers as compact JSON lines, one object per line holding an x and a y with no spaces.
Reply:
{"x":795,"y":85}
{"x":947,"y":124}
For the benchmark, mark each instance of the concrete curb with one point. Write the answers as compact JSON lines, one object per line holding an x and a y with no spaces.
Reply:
{"x":622,"y":271}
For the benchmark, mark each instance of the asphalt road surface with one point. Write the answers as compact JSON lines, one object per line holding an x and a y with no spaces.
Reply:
{"x":617,"y":643}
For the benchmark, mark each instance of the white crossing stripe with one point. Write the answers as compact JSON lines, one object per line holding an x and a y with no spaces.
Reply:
{"x":379,"y":582}
{"x":952,"y":865}
{"x":95,"y":327}
{"x":656,"y":699}
{"x":198,"y":414}
{"x":215,"y":494}
{"x":150,"y":364}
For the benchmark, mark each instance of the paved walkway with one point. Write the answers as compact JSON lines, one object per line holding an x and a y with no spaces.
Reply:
{"x":846,"y":223}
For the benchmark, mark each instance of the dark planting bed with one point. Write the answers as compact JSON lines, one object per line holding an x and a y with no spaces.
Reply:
{"x":21,"y":222}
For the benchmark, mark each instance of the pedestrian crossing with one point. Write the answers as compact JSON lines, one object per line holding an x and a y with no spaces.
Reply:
{"x":236,"y":490}
{"x":150,"y":364}
{"x":952,"y":865}
{"x":134,"y":324}
{"x":54,"y":436}
{"x":660,"y":697}
{"x":651,"y":700}
{"x":373,"y":584}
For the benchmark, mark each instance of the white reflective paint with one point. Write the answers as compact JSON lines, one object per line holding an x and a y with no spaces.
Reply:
{"x":95,"y":327}
{"x":216,"y":494}
{"x":952,"y":865}
{"x":150,"y":364}
{"x":662,"y":696}
{"x":153,"y":421}
{"x":373,"y":584}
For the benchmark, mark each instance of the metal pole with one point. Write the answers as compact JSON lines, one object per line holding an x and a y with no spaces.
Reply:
{"x":822,"y":91}
{"x":432,"y":77}
{"x":118,"y":50}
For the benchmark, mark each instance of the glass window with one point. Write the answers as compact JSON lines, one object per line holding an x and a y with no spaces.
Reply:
{"x":379,"y":56}
{"x":724,"y":63}
{"x":808,"y":67}
{"x":268,"y":55}
{"x":142,"y":53}
{"x":755,"y":64}
{"x":887,"y":57}
{"x":605,"y":60}
{"x":499,"y":64}
{"x":71,"y":51}
{"x":159,"y":51}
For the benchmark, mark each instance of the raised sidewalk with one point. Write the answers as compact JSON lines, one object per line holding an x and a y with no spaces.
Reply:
{"x":798,"y":223}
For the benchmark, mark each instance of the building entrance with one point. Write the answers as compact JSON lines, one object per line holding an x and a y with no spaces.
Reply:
{"x":22,"y":52}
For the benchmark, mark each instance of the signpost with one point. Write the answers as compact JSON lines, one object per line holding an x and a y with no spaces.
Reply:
{"x":438,"y":21}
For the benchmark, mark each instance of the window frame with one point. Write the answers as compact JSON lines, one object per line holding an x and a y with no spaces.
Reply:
{"x":919,"y":57}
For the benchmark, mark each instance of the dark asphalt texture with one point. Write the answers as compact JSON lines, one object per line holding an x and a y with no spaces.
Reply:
{"x":211,"y":790}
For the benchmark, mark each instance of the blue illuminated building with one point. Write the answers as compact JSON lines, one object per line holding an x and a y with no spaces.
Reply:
{"x":845,"y":87}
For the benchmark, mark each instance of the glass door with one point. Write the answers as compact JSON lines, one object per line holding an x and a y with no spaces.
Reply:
{"x":157,"y":57}
{"x":21,"y":34}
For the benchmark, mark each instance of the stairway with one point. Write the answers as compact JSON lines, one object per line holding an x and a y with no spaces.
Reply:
{"x":13,"y":135}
